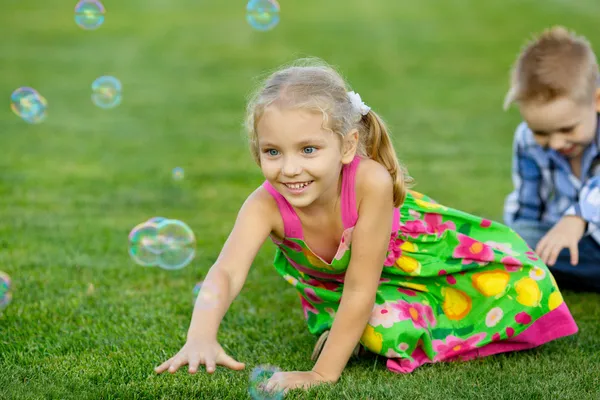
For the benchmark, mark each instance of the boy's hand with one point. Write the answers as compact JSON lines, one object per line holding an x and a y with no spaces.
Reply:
{"x":565,"y":234}
{"x":196,"y":352}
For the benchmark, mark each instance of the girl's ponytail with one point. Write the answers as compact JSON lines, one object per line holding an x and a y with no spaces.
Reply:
{"x":379,"y":147}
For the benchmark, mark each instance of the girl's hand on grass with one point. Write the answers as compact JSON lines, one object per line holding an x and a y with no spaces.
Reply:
{"x":196,"y":352}
{"x":284,"y":381}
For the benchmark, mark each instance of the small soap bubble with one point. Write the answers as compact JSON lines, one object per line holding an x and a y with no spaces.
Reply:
{"x":177,"y":244}
{"x":89,"y":14}
{"x":106,"y":92}
{"x":5,"y":290}
{"x":206,"y":295}
{"x":144,"y":246}
{"x":29,"y":105}
{"x":259,"y":377}
{"x":262,"y":15}
{"x":178,"y":173}
{"x":196,"y":290}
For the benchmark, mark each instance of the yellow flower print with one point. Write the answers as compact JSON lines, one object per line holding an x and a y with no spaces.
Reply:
{"x":290,"y":279}
{"x":491,"y":283}
{"x":537,"y":273}
{"x":415,"y":286}
{"x":416,"y":195}
{"x":406,"y":263}
{"x":555,"y":300}
{"x":314,"y":260}
{"x":457,"y":304}
{"x":528,"y":291}
{"x":371,"y":339}
{"x":428,"y":205}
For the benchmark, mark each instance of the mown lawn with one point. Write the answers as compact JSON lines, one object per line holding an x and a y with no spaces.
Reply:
{"x":72,"y":187}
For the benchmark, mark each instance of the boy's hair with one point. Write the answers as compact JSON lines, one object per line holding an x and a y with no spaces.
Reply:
{"x":557,"y":63}
{"x":313,"y":85}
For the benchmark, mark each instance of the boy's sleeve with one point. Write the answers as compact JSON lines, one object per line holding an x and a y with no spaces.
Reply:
{"x":588,"y":205}
{"x":525,"y":202}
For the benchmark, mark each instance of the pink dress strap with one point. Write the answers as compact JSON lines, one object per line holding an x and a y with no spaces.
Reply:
{"x":348,"y":196}
{"x":348,"y":201}
{"x":291,"y":223}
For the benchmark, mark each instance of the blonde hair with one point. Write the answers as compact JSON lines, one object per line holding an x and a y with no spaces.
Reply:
{"x":313,"y":85}
{"x":557,"y":63}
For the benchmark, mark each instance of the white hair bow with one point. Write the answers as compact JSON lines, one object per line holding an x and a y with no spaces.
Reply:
{"x":358,"y":104}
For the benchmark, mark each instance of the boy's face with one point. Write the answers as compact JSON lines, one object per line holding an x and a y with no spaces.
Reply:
{"x":295,"y":149}
{"x":562,"y":124}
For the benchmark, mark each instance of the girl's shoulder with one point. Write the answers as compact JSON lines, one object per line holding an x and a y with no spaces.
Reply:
{"x":369,"y":174}
{"x":270,"y":210}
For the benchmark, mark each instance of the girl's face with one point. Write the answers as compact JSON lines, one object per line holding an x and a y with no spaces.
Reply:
{"x":300,"y":158}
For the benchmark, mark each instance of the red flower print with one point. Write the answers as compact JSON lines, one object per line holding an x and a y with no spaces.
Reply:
{"x":454,"y":346}
{"x":523,"y":318}
{"x":435,"y":225}
{"x":471,"y":250}
{"x":511,"y":264}
{"x":485,"y":223}
{"x":394,"y":250}
{"x":416,"y":312}
{"x":413,"y":228}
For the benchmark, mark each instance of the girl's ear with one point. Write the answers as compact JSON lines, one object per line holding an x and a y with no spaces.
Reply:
{"x":598,"y":99}
{"x":349,"y":146}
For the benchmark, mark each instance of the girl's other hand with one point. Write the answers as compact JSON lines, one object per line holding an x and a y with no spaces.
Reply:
{"x":196,"y":352}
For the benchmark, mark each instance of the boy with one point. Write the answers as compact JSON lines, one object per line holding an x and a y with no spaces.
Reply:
{"x":555,"y":206}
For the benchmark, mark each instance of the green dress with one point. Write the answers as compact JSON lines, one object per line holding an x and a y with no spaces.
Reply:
{"x":453,"y":286}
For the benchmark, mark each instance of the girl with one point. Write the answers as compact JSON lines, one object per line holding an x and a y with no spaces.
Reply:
{"x":410,"y":279}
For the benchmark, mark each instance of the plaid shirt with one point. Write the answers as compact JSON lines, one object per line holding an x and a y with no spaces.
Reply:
{"x":545,"y":187}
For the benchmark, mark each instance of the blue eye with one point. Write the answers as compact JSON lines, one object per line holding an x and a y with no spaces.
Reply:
{"x":310,"y":152}
{"x":271,"y":152}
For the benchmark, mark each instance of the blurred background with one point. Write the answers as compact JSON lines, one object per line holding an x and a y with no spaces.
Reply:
{"x":73,"y":186}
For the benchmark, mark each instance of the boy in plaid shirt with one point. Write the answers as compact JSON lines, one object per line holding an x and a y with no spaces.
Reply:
{"x":555,"y":206}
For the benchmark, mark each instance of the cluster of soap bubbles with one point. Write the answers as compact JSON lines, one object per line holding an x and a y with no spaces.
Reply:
{"x":259,"y":377}
{"x":165,"y":243}
{"x":5,"y":290}
{"x":30,"y":106}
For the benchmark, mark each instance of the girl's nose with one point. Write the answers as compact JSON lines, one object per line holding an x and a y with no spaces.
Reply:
{"x":290,"y":167}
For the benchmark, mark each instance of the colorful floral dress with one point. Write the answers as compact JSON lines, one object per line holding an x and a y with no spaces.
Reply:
{"x":454,"y":286}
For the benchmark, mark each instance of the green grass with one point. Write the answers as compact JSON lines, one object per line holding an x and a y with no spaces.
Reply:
{"x":72,"y":187}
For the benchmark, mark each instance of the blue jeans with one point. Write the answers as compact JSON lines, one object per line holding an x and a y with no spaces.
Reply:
{"x":584,"y":276}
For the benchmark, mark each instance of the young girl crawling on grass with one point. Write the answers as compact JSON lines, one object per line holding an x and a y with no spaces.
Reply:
{"x":378,"y":268}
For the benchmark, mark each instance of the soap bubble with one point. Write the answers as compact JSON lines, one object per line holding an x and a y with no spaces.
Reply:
{"x":144,"y":246}
{"x":196,"y":289}
{"x":29,"y":105}
{"x":166,"y":243}
{"x":262,"y":15}
{"x":177,"y":244}
{"x":5,"y":293}
{"x":178,"y":173}
{"x":259,"y":377}
{"x":209,"y":294}
{"x":106,"y":92}
{"x":89,"y":14}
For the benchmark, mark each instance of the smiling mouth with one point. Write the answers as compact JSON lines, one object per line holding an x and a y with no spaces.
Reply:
{"x":298,"y":186}
{"x":568,"y":150}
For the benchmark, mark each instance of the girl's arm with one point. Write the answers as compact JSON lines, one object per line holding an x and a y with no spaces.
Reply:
{"x":226,"y":277}
{"x":370,"y":241}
